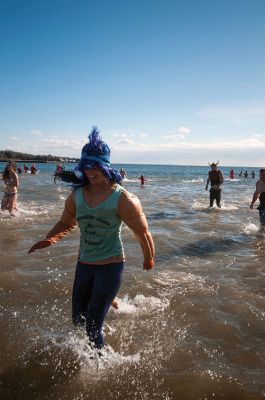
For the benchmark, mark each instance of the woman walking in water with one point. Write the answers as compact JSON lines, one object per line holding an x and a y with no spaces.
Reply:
{"x":98,"y":204}
{"x":10,"y":178}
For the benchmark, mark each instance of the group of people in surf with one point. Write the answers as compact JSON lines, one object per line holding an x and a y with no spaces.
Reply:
{"x":33,"y":170}
{"x":142,"y":179}
{"x":232,"y":174}
{"x":246,"y":174}
{"x":98,"y":204}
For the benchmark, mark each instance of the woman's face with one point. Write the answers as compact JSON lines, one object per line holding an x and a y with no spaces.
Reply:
{"x":10,"y":167}
{"x":95,"y":175}
{"x":262,"y":175}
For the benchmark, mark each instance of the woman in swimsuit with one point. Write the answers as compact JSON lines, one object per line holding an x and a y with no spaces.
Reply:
{"x":10,"y":179}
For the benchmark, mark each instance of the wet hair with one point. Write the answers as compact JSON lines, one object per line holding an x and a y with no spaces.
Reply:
{"x":70,"y":177}
{"x":5,"y":174}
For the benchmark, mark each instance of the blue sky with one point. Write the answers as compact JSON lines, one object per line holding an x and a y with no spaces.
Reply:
{"x":166,"y":82}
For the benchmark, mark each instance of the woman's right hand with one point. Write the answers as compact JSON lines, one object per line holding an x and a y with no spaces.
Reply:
{"x":40,"y":245}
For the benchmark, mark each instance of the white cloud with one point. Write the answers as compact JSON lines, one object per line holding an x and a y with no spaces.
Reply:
{"x":125,"y":141}
{"x":70,"y":147}
{"x":248,"y":152}
{"x":36,"y":132}
{"x":15,"y":138}
{"x":121,"y":135}
{"x":251,"y":143}
{"x":124,"y":149}
{"x":177,"y":134}
{"x":183,"y":130}
{"x":126,"y":138}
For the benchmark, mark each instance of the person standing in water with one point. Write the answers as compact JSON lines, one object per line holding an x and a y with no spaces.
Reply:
{"x":99,"y":205}
{"x":216,"y":179}
{"x":123,"y":173}
{"x":10,"y":178}
{"x":142,"y":180}
{"x":232,"y":174}
{"x":33,"y":169}
{"x":260,"y":193}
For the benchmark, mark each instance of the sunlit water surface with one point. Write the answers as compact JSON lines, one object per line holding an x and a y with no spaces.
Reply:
{"x":191,"y":329}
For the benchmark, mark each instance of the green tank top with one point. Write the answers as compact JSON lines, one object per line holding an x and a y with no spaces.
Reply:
{"x":100,"y":227}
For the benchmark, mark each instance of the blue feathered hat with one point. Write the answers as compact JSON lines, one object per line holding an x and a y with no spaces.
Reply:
{"x":96,"y":153}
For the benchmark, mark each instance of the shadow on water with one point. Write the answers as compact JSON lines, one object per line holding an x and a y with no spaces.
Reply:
{"x":204,"y":248}
{"x":161,"y":215}
{"x":37,"y":375}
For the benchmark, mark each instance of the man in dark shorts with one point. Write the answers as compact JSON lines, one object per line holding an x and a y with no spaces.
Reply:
{"x":216,"y":179}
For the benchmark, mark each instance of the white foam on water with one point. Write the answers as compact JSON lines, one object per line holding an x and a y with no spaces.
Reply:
{"x":131,"y":180}
{"x":200,"y":205}
{"x":140,"y":304}
{"x":250,"y":228}
{"x":229,"y":207}
{"x":169,"y":278}
{"x":197,"y":180}
{"x":4,"y":215}
{"x":187,"y":281}
{"x":62,"y":189}
{"x":31,"y":210}
{"x":88,"y":359}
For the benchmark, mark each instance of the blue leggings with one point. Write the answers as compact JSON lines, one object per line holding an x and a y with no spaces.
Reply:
{"x":95,"y":286}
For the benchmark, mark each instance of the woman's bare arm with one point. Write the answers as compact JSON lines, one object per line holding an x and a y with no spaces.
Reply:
{"x":62,"y":228}
{"x":131,"y":212}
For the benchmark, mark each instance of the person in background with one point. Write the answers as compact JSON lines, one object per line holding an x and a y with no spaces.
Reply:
{"x":246,"y":174}
{"x":25,"y":168}
{"x":33,"y":169}
{"x":19,"y":170}
{"x":59,"y":168}
{"x":232,"y":174}
{"x":215,"y":179}
{"x":99,"y":205}
{"x":260,"y":193}
{"x":253,"y":174}
{"x":123,"y":173}
{"x":240,"y":174}
{"x":142,"y":180}
{"x":10,"y":178}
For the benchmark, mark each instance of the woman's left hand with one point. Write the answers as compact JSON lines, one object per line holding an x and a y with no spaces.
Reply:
{"x":149,"y":264}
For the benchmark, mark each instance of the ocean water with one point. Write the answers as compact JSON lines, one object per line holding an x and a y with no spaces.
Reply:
{"x":191,"y":329}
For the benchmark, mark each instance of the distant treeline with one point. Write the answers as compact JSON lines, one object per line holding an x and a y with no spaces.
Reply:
{"x":17,"y":156}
